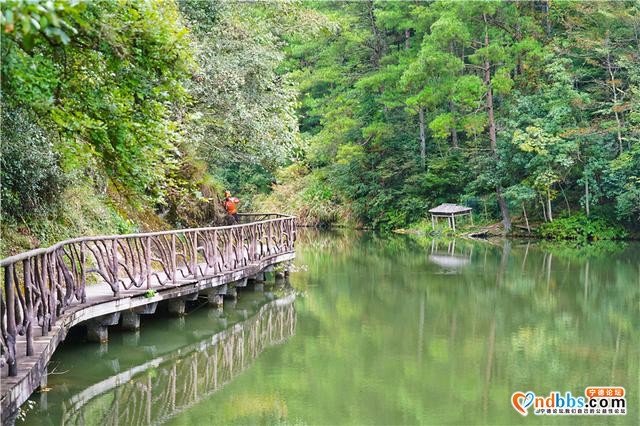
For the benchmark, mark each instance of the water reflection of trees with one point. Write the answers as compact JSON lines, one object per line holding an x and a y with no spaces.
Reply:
{"x":155,"y":391}
{"x":516,"y":316}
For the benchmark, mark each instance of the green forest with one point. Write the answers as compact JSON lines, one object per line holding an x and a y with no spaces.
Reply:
{"x":125,"y":116}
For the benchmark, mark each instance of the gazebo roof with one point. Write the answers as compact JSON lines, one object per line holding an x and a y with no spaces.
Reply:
{"x":450,"y":209}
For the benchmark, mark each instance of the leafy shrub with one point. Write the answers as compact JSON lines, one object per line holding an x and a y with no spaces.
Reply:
{"x":32,"y":179}
{"x":581,"y":227}
{"x":305,"y":195}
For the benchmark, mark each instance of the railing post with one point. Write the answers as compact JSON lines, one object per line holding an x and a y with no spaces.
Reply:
{"x":240,"y":247}
{"x":254,"y":242}
{"x":83,"y":273}
{"x":215,"y":252}
{"x":114,"y":255}
{"x":147,"y":259}
{"x":44,"y":294}
{"x":227,"y":248}
{"x":11,"y":320}
{"x":28,"y":295}
{"x":174,"y":268}
{"x":53,"y":290}
{"x":194,"y":256}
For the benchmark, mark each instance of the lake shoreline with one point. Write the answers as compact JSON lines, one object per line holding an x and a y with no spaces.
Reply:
{"x":471,"y":233}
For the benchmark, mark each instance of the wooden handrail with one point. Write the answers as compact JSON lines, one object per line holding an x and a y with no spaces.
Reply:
{"x":35,"y":252}
{"x":39,"y":285}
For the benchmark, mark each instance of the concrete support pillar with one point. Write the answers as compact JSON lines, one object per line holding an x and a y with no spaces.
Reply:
{"x":130,"y":321}
{"x":98,"y":328}
{"x":97,"y":333}
{"x":177,"y":307}
{"x":215,"y":300}
{"x":146,"y":309}
{"x":232,"y":293}
{"x":215,"y":296}
{"x":44,"y":378}
{"x":190,"y":297}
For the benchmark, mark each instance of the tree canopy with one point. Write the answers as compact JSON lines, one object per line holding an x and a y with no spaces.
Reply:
{"x":369,"y":112}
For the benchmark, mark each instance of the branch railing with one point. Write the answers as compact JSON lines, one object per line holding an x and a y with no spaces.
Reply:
{"x":40,"y":285}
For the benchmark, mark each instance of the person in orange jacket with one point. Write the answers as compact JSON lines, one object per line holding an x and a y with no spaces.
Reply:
{"x":231,"y":206}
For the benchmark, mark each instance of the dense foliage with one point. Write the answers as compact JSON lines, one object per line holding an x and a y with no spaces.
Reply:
{"x":582,"y":229}
{"x":145,"y":107}
{"x":513,"y":108}
{"x":367,"y":112}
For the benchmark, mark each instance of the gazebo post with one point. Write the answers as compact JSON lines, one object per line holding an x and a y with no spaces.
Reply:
{"x":449,"y":211}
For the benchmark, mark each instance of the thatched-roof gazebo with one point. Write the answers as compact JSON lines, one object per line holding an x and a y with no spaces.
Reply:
{"x":450,"y":211}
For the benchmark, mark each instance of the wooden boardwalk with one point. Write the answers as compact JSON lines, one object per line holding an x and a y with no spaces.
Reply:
{"x":47,"y":291}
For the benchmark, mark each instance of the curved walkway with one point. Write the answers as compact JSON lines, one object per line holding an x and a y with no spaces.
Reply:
{"x":47,"y":291}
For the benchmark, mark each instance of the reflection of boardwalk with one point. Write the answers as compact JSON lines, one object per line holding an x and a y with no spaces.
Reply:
{"x":157,"y":390}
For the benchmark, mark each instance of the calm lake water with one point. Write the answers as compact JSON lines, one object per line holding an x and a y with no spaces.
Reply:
{"x":373,"y":330}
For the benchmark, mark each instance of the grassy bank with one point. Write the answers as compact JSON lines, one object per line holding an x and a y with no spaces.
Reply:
{"x":81,"y":212}
{"x":577,"y":228}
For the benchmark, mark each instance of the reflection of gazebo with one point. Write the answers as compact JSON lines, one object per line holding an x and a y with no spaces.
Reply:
{"x":450,"y":211}
{"x":450,"y":259}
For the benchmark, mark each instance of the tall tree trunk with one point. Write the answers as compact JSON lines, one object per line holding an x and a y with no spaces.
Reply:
{"x":452,"y":107}
{"x":586,"y":194}
{"x":506,"y":219}
{"x":423,"y":141}
{"x":526,"y":219}
{"x":407,"y":35}
{"x":454,"y":131}
{"x":614,"y":90}
{"x":566,"y":200}
{"x":547,"y":18}
{"x":549,"y":213}
{"x":377,"y":41}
